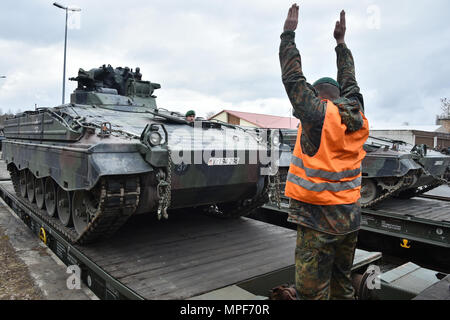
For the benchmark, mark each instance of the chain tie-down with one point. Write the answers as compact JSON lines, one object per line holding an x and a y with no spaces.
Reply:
{"x":164,"y":189}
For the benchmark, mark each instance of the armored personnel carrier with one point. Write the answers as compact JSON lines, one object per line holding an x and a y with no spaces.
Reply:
{"x":385,"y":171}
{"x":111,"y":153}
{"x":434,"y":165}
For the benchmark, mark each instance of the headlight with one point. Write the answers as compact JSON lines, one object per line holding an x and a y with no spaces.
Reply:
{"x":276,"y":140}
{"x":154,"y":138}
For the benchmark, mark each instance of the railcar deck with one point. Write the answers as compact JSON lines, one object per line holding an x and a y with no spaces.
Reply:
{"x":416,"y":229}
{"x":189,"y":255}
{"x":422,"y":219}
{"x":423,"y":208}
{"x":438,"y":291}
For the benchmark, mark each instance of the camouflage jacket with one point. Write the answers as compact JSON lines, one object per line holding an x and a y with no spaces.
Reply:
{"x":336,"y":219}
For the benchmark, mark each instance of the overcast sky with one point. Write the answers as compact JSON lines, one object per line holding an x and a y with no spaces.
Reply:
{"x":214,"y":55}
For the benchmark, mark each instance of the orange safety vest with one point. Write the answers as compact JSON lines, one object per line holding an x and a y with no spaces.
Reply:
{"x":333,"y":175}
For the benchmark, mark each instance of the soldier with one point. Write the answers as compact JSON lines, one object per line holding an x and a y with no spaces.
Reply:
{"x":138,"y":74}
{"x":190,"y":115}
{"x":324,"y":178}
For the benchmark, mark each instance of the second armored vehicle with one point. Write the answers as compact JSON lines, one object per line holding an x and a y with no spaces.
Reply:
{"x":385,"y":171}
{"x":435,"y":166}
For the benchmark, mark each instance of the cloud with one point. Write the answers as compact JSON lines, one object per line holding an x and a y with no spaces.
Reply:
{"x":224,"y":54}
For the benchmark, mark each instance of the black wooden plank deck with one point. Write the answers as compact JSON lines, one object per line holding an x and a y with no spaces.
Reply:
{"x":192,"y":253}
{"x":438,"y":291}
{"x":419,"y":208}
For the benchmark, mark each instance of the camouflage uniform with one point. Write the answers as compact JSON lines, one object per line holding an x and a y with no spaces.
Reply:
{"x":327,"y":235}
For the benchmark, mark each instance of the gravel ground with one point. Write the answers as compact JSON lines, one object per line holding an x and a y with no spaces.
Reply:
{"x":15,"y":280}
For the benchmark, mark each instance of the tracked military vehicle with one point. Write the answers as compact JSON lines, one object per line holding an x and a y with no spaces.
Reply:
{"x":434,"y":165}
{"x":385,"y":170}
{"x":87,"y":166}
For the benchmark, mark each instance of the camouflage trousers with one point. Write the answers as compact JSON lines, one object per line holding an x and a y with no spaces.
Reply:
{"x":323,"y":265}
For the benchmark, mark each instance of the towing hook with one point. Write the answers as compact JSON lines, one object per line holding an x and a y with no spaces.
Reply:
{"x":405,"y":244}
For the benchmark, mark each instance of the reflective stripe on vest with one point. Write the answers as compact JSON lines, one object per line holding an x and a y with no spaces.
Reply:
{"x":324,"y":186}
{"x":332,"y":176}
{"x":316,"y":173}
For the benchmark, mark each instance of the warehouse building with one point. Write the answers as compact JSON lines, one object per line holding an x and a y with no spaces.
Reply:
{"x":256,"y":120}
{"x":433,"y":136}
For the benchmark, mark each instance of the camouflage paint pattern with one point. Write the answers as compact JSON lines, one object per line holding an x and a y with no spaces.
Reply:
{"x":326,"y":237}
{"x":311,"y":111}
{"x":304,"y":98}
{"x":434,"y":163}
{"x":334,"y":220}
{"x":379,"y":162}
{"x":382,"y":164}
{"x":66,"y":143}
{"x":385,"y":163}
{"x":323,"y":265}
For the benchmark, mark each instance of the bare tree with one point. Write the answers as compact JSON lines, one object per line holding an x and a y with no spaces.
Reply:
{"x":209,"y":114}
{"x":445,"y":107}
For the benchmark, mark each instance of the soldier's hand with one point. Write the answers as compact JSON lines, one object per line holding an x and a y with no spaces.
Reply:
{"x":292,"y":19}
{"x":339,"y":30}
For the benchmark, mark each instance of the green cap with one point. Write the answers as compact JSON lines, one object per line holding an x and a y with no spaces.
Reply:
{"x":327,"y":80}
{"x":190,"y":113}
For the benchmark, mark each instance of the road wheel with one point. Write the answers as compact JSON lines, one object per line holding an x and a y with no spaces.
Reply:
{"x":50,"y":196}
{"x":84,"y":206}
{"x":63,"y":205}
{"x":368,"y":191}
{"x":23,"y":183}
{"x":39,"y":192}
{"x":30,"y":186}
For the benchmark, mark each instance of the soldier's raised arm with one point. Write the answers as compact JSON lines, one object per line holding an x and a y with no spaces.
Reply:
{"x":306,"y":104}
{"x":345,"y":64}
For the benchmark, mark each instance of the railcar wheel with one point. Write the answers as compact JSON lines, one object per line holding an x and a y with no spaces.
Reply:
{"x":30,"y":186}
{"x":84,"y":207}
{"x":39,"y":192}
{"x":23,"y":183}
{"x":63,"y":205}
{"x":368,"y":191}
{"x":50,"y":196}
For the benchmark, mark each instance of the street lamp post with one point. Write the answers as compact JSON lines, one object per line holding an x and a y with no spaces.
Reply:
{"x":67,"y":9}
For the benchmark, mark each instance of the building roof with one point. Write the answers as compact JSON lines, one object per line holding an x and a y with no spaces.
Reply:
{"x":264,"y":120}
{"x":429,"y":128}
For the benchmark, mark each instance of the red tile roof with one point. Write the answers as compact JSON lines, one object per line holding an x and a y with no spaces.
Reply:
{"x":264,"y":120}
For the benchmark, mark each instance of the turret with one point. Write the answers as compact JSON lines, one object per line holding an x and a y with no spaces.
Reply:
{"x":109,"y":86}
